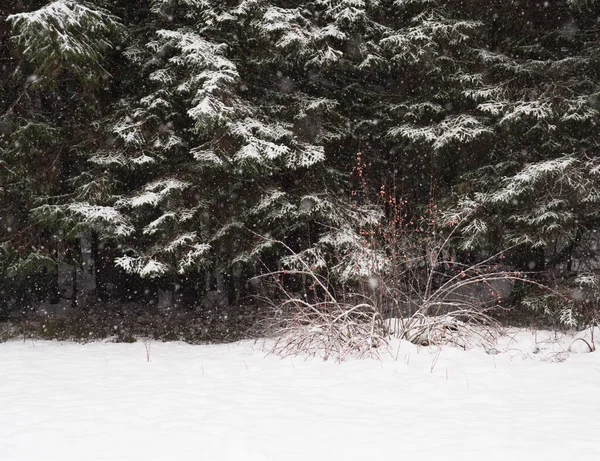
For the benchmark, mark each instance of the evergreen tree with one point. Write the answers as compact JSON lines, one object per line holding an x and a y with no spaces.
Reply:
{"x":540,"y":187}
{"x":223,"y":151}
{"x":54,"y":93}
{"x":223,"y":127}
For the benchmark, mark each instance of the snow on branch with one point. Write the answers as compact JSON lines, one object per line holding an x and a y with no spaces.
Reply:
{"x":285,"y":26}
{"x":65,"y":35}
{"x":251,"y":127}
{"x":142,"y":266}
{"x":530,"y":175}
{"x":357,"y":261}
{"x":206,"y":156}
{"x":460,"y":128}
{"x":323,"y":57}
{"x":428,"y":34}
{"x":580,"y":109}
{"x":318,"y":105}
{"x":163,"y":7}
{"x":259,"y":151}
{"x":154,"y":226}
{"x":329,"y":32}
{"x":307,"y":155}
{"x":103,"y":218}
{"x":155,"y":192}
{"x":196,"y":254}
{"x":538,"y":110}
{"x":264,"y":142}
{"x":542,"y":201}
{"x":414,"y":133}
{"x":210,"y":78}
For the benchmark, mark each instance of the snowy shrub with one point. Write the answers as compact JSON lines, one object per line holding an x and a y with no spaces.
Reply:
{"x":316,"y":320}
{"x":394,"y":267}
{"x":328,"y":329}
{"x":462,"y":328}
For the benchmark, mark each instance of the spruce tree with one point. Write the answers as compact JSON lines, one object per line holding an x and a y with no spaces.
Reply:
{"x":540,"y":186}
{"x":222,"y":150}
{"x":54,"y":93}
{"x":212,"y":130}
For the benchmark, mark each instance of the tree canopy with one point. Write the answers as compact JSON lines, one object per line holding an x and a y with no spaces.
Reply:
{"x":191,"y":137}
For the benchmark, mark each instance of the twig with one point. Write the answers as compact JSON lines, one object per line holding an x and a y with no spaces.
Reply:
{"x":592,"y":347}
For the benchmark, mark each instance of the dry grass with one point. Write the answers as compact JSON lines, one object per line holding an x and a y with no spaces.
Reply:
{"x":328,"y":329}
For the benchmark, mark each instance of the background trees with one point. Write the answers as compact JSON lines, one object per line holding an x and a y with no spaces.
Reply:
{"x":182,"y":139}
{"x":57,"y":73}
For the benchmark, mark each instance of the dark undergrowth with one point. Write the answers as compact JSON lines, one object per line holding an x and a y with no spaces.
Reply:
{"x":126,"y":322}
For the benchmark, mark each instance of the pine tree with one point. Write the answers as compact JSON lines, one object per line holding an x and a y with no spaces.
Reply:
{"x":222,"y":152}
{"x":248,"y":101}
{"x":53,"y":95}
{"x":225,"y":128}
{"x":540,"y":187}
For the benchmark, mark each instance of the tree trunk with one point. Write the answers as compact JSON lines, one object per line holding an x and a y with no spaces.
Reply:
{"x":84,"y":287}
{"x":166,"y":299}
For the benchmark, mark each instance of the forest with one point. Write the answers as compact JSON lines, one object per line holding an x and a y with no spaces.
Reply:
{"x":333,"y":163}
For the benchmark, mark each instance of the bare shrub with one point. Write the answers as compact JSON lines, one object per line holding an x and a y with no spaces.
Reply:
{"x":316,"y":322}
{"x":435,"y":294}
{"x":404,"y":267}
{"x":463,"y":328}
{"x":328,"y":329}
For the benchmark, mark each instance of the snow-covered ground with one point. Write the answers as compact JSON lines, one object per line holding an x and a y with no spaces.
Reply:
{"x":105,"y":401}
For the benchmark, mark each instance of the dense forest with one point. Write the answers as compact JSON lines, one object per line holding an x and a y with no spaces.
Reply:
{"x":218,"y":155}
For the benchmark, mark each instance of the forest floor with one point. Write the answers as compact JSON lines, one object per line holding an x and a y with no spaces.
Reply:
{"x":538,"y":398}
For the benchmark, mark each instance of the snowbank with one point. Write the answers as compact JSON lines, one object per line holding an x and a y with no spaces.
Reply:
{"x":106,"y":401}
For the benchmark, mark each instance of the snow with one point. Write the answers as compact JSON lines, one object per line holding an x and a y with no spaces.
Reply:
{"x":105,"y":401}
